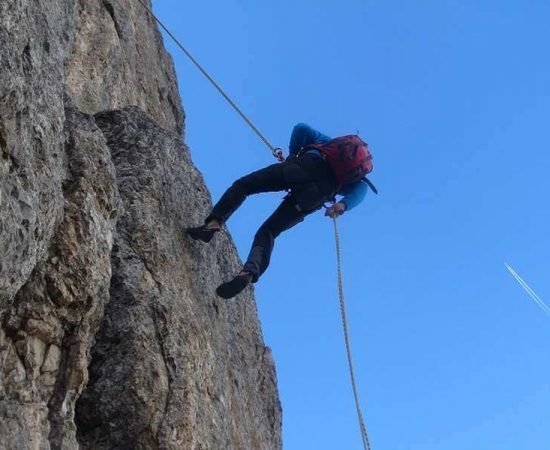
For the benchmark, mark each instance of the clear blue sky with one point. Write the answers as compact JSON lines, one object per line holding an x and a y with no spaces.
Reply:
{"x":454,"y":98}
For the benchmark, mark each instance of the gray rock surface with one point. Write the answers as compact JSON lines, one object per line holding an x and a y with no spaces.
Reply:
{"x":118,"y":59}
{"x":197,"y":363}
{"x":111,"y":335}
{"x":32,"y":53}
{"x":48,"y":328}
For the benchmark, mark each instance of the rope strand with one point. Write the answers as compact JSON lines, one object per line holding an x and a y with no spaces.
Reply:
{"x":364,"y":436}
{"x":209,"y":78}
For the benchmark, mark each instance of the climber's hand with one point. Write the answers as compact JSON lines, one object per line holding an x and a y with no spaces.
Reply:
{"x":335,"y":210}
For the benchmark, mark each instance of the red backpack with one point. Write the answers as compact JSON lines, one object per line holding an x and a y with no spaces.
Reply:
{"x":349,"y":157}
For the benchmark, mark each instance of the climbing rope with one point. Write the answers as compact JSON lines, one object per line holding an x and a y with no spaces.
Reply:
{"x":364,"y":436}
{"x":275,"y":151}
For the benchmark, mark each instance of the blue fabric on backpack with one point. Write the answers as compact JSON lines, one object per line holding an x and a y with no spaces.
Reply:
{"x":304,"y":135}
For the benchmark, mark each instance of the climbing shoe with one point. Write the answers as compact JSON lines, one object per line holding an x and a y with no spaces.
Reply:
{"x":202,"y":233}
{"x":233,"y":287}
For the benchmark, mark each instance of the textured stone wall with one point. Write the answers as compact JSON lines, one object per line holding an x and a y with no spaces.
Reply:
{"x":47,"y":328}
{"x":173,"y":364}
{"x":118,"y":59}
{"x":33,"y":48}
{"x":111,"y":335}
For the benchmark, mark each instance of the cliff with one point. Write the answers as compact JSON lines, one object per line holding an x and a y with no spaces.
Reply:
{"x":111,"y":335}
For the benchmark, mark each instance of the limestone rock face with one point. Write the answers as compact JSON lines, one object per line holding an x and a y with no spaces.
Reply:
{"x":111,"y":335}
{"x":163,"y":315}
{"x":33,"y":48}
{"x":48,"y":327}
{"x":118,"y":59}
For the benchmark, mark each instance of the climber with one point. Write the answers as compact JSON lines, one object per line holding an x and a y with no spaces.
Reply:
{"x":312,"y":175}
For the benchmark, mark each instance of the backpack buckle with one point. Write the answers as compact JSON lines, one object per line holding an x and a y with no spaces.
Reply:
{"x":278,"y":153}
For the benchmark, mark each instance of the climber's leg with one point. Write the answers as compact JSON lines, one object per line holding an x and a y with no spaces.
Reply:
{"x":277,"y":177}
{"x":285,"y":216}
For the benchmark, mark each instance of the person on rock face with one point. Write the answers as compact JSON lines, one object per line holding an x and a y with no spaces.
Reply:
{"x":313,"y":173}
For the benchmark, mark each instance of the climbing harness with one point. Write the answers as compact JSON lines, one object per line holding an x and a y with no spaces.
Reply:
{"x":278,"y":153}
{"x":364,"y":436}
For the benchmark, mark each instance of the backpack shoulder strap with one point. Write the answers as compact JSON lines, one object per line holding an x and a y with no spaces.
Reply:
{"x":370,"y":184}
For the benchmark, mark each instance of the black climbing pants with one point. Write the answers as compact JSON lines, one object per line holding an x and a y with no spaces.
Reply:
{"x":311,"y":182}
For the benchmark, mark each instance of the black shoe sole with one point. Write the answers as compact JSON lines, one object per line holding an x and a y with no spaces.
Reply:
{"x":201,"y":233}
{"x":233,"y":287}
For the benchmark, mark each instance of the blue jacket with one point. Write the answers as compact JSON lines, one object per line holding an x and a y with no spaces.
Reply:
{"x":302,"y":136}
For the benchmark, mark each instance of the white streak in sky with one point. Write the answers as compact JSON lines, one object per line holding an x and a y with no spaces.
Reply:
{"x":530,"y":291}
